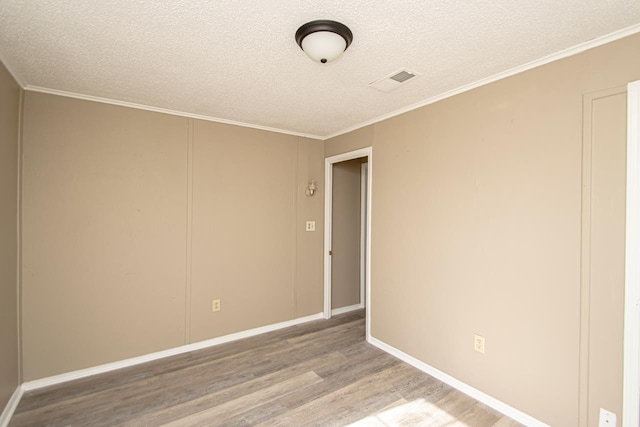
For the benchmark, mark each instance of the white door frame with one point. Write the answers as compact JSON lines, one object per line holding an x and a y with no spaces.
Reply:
{"x":631,"y":381}
{"x":328,"y":208}
{"x":364,"y":179}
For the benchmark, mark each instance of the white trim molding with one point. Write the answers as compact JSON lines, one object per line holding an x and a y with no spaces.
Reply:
{"x":108,"y":367}
{"x":574,"y":50}
{"x":478,"y":395}
{"x":328,"y":208}
{"x":631,"y":377}
{"x":116,"y":102}
{"x":341,"y":310}
{"x":328,"y":224}
{"x":11,"y":406}
{"x":364,"y":180}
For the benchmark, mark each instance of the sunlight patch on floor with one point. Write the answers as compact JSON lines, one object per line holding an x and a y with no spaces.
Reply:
{"x":415,"y":413}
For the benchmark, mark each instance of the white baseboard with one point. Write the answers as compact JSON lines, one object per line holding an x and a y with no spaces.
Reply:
{"x":342,"y":310}
{"x":11,"y":406}
{"x":492,"y":402}
{"x":107,"y":367}
{"x":480,"y":396}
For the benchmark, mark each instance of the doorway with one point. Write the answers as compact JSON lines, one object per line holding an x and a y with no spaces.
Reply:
{"x":348,"y":224}
{"x":363,"y":231}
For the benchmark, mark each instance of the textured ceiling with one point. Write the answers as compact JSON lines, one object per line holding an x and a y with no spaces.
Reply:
{"x":238,"y":60}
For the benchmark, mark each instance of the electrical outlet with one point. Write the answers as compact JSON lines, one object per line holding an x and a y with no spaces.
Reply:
{"x":215,"y":305}
{"x":607,"y":419}
{"x":478,"y":343}
{"x":311,"y":226}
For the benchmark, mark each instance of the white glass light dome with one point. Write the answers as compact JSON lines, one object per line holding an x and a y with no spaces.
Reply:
{"x":324,"y":41}
{"x":324,"y":46}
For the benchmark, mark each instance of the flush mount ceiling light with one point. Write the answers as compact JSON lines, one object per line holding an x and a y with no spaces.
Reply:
{"x":323,"y":40}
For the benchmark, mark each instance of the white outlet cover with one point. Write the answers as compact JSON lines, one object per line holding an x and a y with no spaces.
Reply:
{"x":478,"y":343}
{"x":607,"y":419}
{"x":311,"y":226}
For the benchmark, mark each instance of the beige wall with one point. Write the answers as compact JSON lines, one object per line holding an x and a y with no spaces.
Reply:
{"x":345,"y":240}
{"x":9,"y":124}
{"x":104,"y":233}
{"x":309,"y":290}
{"x":360,"y":138}
{"x":476,"y":228}
{"x":249,"y":245}
{"x":133,"y":221}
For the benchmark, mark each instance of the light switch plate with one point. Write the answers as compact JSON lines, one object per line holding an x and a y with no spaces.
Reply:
{"x":311,"y":226}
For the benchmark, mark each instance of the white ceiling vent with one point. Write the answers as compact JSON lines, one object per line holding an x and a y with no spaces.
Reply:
{"x":394,"y":80}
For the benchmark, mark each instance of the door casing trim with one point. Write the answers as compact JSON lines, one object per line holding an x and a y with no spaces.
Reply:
{"x":328,"y":208}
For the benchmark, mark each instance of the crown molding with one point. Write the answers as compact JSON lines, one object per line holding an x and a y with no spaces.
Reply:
{"x":574,"y":50}
{"x":75,"y":95}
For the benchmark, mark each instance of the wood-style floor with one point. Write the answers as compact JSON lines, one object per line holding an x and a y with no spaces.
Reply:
{"x":317,"y":374}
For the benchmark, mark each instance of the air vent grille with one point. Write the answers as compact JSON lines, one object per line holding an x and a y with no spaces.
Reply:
{"x":394,"y":80}
{"x":402,"y":76}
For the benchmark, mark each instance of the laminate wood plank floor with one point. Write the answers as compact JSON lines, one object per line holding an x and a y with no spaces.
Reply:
{"x":320,"y":373}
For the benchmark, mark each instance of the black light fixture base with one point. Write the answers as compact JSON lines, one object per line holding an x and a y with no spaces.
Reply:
{"x":324,"y":25}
